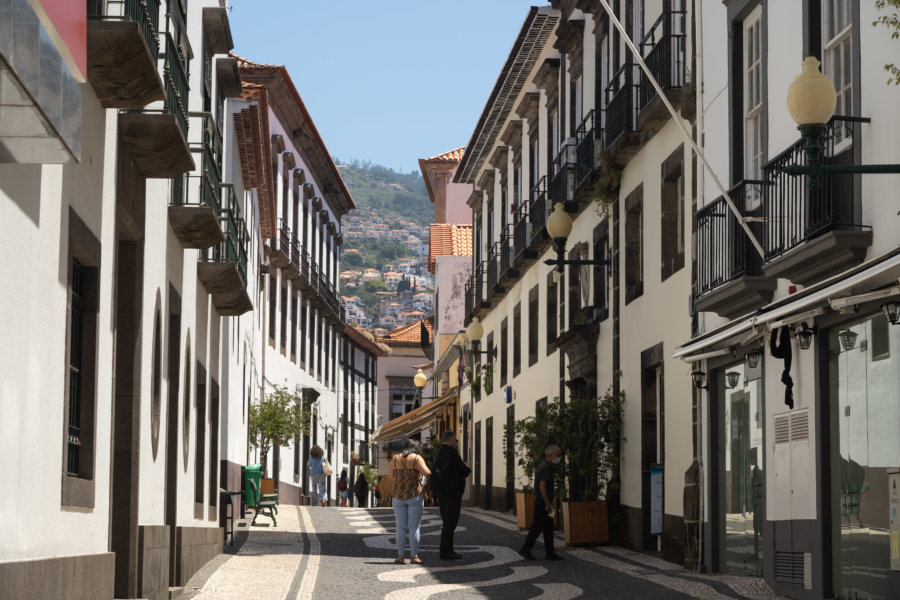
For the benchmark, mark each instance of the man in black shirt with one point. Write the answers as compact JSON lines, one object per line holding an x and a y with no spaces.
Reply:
{"x":448,"y":478}
{"x":543,"y":506}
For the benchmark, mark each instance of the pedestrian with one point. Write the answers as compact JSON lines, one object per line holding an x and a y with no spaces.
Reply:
{"x":343,"y":488}
{"x":361,"y":490}
{"x":448,"y":480}
{"x":408,"y":472}
{"x":543,"y":506}
{"x":317,"y":476}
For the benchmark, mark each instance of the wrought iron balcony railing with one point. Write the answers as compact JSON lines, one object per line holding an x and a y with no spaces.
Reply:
{"x":234,"y":248}
{"x":479,"y":283}
{"x":176,"y":84}
{"x":521,"y":231}
{"x":143,"y":12}
{"x":507,"y":251}
{"x":493,"y":267}
{"x":562,"y":179}
{"x":586,"y":159}
{"x":792,"y":213}
{"x":620,"y":110}
{"x":663,"y":49}
{"x":538,"y":209}
{"x":470,"y":298}
{"x":724,"y":252}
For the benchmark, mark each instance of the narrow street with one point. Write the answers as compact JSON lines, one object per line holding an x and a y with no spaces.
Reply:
{"x":323,"y":554}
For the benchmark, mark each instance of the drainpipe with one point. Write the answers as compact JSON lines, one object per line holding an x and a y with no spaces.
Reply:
{"x":701,"y":175}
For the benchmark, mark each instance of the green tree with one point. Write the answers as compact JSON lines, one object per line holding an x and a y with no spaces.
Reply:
{"x":375,"y":285}
{"x":891,"y":21}
{"x":403,"y":284}
{"x":277,"y":419}
{"x":353,"y":259}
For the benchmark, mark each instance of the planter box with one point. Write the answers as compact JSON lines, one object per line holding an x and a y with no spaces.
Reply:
{"x":586,"y":523}
{"x":525,"y":511}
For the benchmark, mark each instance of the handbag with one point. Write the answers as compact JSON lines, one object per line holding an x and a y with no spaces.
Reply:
{"x":326,"y":467}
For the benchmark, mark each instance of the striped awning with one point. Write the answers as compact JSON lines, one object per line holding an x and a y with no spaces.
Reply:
{"x":414,"y":421}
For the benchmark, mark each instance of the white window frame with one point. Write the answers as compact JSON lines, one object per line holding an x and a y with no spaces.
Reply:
{"x":837,"y":62}
{"x":751,"y":71}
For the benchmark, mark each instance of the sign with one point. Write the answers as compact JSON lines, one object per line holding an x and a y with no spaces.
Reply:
{"x":656,"y":499}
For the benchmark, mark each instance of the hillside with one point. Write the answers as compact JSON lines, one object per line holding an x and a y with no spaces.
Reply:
{"x":386,"y":191}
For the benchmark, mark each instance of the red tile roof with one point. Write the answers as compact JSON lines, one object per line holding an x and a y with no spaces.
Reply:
{"x":442,"y":163}
{"x":251,"y":127}
{"x":451,"y":156}
{"x":408,"y":335}
{"x":448,"y":240}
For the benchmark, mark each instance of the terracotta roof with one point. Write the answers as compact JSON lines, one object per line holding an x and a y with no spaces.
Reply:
{"x":448,"y":240}
{"x":442,"y":163}
{"x":251,"y":126}
{"x":363,"y":340}
{"x":451,"y":156}
{"x":408,"y":335}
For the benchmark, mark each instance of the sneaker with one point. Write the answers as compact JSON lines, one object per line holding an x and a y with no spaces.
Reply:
{"x":553,"y":557}
{"x":526,"y":554}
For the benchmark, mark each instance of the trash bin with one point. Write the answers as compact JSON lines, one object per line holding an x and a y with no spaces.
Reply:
{"x":253,"y":472}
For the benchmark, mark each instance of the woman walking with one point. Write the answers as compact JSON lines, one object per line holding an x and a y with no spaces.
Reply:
{"x":408,"y":470}
{"x":343,"y":488}
{"x":361,"y":490}
{"x":317,"y":476}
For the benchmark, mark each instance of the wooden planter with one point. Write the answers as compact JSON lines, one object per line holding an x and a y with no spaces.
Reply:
{"x":585,"y":523}
{"x":525,"y":511}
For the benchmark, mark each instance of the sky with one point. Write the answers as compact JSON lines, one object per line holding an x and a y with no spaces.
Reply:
{"x":388,"y":82}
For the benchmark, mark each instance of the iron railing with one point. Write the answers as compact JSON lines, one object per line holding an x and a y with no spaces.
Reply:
{"x":143,"y":12}
{"x":538,"y":209}
{"x":234,"y":248}
{"x":204,"y":187}
{"x":507,"y":250}
{"x":586,"y":159}
{"x":493,"y":267}
{"x":794,"y":214}
{"x":479,"y":283}
{"x":176,"y":82}
{"x":724,"y":252}
{"x":562,"y":171}
{"x":663,"y":49}
{"x":620,"y":111}
{"x":295,"y":252}
{"x":521,"y":231}
{"x":470,"y":298}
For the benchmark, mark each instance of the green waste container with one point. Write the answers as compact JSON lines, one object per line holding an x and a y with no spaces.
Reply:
{"x":254,"y":473}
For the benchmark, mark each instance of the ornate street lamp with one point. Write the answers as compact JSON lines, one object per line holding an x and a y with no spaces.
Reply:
{"x":804,"y":336}
{"x":848,"y":339}
{"x":891,"y":312}
{"x":475,"y":331}
{"x":752,"y":359}
{"x":699,"y":378}
{"x":811,"y":99}
{"x":559,"y":226}
{"x":733,"y":378}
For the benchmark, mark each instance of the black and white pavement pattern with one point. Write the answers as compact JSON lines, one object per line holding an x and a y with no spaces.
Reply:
{"x":335,"y":553}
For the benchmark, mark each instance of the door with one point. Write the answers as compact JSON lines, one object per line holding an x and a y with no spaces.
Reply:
{"x":172,"y":409}
{"x":510,"y":451}
{"x":489,"y":463}
{"x":649,"y":448}
{"x":477,"y":472}
{"x":865,"y":416}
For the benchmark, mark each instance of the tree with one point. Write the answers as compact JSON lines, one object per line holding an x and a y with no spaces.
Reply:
{"x":353,"y":259}
{"x":403,"y":284}
{"x":278,"y":418}
{"x":375,"y":285}
{"x":891,"y":21}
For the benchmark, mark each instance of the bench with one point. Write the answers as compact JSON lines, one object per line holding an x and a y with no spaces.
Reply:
{"x":265,"y":506}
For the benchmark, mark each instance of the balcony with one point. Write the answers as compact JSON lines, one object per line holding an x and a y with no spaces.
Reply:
{"x":524,"y":255}
{"x":508,"y":273}
{"x":292,"y":270}
{"x":621,"y":137}
{"x":495,"y":288}
{"x":663,"y":49}
{"x":278,"y":248}
{"x":810,"y":235}
{"x":587,"y":153}
{"x":538,"y":211}
{"x":157,"y":138}
{"x":196,"y":205}
{"x":304,"y":267}
{"x":469,"y":300}
{"x":122,"y":50}
{"x":222,"y":269}
{"x":562,"y":178}
{"x":730,"y":280}
{"x":480,"y":302}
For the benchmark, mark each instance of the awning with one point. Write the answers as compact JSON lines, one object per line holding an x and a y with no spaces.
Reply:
{"x":876,"y":272}
{"x":412,"y":422}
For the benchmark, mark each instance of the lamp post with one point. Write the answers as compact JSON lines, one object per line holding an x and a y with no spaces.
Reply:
{"x":811,"y":99}
{"x":559,"y":226}
{"x":475,"y":331}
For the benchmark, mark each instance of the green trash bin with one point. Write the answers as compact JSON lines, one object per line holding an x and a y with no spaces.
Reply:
{"x":251,"y":472}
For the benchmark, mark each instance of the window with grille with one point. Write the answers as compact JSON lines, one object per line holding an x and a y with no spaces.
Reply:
{"x":76,"y":344}
{"x":532,"y":323}
{"x":753,"y":96}
{"x":517,"y":339}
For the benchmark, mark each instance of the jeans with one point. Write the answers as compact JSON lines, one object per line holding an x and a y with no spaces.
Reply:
{"x":318,"y":489}
{"x":408,"y":514}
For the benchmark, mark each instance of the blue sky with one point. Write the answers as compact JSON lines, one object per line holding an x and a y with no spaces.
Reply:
{"x":390,"y":81}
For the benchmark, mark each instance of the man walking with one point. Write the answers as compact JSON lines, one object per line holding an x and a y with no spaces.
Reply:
{"x":449,"y":482}
{"x":543,"y":506}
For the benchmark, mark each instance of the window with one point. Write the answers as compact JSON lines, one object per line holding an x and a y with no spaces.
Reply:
{"x":753,"y":95}
{"x":533,"y":311}
{"x":552,"y":138}
{"x":575,"y":99}
{"x":295,"y":300}
{"x":504,"y":350}
{"x":272,"y":310}
{"x":303,"y":334}
{"x":579,"y":252}
{"x":200,"y":439}
{"x":534,"y":170}
{"x":551,"y":312}
{"x":213,"y":486}
{"x":672,"y":214}
{"x":403,"y":396}
{"x":601,"y":272}
{"x":284,"y":312}
{"x":634,"y":252}
{"x":837,"y":63}
{"x":517,"y":339}
{"x":79,"y":396}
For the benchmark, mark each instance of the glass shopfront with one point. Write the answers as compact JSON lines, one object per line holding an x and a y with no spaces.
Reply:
{"x":741,"y":490}
{"x":864,"y":405}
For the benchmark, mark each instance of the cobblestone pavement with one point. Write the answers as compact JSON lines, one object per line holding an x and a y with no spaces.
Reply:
{"x":332,"y":553}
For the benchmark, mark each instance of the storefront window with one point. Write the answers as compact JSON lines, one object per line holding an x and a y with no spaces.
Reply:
{"x":741,"y":496}
{"x":864,"y":403}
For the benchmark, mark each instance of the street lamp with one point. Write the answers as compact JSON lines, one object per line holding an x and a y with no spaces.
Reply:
{"x":804,"y":336}
{"x":752,"y":358}
{"x":733,"y":378}
{"x":421,"y":380}
{"x":475,"y":331}
{"x":811,"y":99}
{"x":559,"y":226}
{"x":699,"y":378}
{"x":891,"y":312}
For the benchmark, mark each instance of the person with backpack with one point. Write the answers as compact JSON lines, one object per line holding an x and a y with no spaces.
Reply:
{"x":448,"y":480}
{"x":361,"y":490}
{"x":343,"y":489}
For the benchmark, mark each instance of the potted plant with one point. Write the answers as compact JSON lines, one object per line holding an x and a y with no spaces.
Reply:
{"x":591,"y":442}
{"x":532,"y":436}
{"x":277,"y":419}
{"x":606,"y":188}
{"x":488,"y":370}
